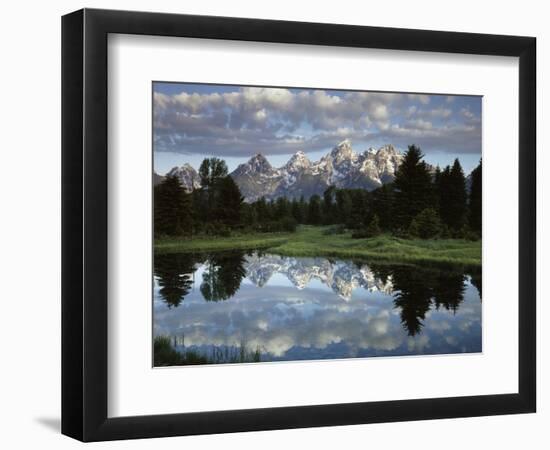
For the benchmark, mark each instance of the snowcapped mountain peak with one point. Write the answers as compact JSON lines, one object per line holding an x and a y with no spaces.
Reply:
{"x":343,"y":150}
{"x":341,"y":167}
{"x":259,"y":161}
{"x":258,"y":164}
{"x":388,"y":149}
{"x":188,"y":176}
{"x":343,"y":278}
{"x":386,"y":160}
{"x":345,"y":143}
{"x":298,"y":161}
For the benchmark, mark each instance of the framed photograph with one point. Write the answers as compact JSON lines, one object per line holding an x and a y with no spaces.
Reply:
{"x":273,"y":224}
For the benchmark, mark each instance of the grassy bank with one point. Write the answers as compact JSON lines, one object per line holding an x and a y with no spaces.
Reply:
{"x":211,"y":243}
{"x":310,"y":241}
{"x":165,"y":354}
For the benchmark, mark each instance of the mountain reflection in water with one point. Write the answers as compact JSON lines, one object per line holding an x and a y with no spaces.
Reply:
{"x":292,"y":308}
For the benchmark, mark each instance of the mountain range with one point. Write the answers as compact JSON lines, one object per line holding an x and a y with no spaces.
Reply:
{"x":341,"y":277}
{"x":342,"y":167}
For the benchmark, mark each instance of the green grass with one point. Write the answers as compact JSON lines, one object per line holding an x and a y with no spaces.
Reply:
{"x":214,"y":243}
{"x":165,"y":354}
{"x":310,"y":241}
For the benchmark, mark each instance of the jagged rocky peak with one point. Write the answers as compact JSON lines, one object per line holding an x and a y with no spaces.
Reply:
{"x":342,"y":277}
{"x":343,"y":151}
{"x":341,"y":167}
{"x":298,"y":161}
{"x":258,"y":164}
{"x":388,"y":149}
{"x":188,"y":176}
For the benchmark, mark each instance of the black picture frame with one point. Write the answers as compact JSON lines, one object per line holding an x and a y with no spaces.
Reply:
{"x":84,"y":224}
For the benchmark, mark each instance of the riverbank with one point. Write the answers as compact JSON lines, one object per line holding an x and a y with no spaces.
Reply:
{"x":311,"y":241}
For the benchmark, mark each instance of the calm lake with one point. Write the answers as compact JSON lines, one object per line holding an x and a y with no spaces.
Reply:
{"x":241,"y":307}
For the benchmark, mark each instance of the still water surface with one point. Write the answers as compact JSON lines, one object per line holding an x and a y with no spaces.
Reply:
{"x":287,"y":308}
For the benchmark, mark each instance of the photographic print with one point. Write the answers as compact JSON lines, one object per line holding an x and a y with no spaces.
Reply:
{"x":297,"y":224}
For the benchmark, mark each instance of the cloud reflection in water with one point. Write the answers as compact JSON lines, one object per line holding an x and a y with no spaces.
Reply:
{"x":315,"y":308}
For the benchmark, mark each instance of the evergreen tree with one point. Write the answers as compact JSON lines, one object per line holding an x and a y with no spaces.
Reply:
{"x":413,"y":188}
{"x":452,"y":191}
{"x":173,"y":209}
{"x":314,"y":210}
{"x":272,"y":211}
{"x":382,"y":205}
{"x":437,"y":182}
{"x":443,"y":188}
{"x":303,"y":208}
{"x":249,"y":216}
{"x":373,"y":228}
{"x":262,"y":210}
{"x":426,"y":224}
{"x":474,"y":217}
{"x":228,"y":202}
{"x":329,"y":205}
{"x":282,"y":208}
{"x":297,"y":212}
{"x":359,"y":210}
{"x":344,"y":205}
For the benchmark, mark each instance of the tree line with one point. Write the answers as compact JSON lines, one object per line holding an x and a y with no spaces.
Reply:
{"x":419,"y":203}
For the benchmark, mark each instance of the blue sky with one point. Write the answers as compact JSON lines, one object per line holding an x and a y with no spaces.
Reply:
{"x":192,"y":121}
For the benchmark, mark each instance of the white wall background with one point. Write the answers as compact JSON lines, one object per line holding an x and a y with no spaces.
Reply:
{"x":30,"y":223}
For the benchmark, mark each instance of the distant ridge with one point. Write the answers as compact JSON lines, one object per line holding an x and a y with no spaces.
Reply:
{"x":342,"y":167}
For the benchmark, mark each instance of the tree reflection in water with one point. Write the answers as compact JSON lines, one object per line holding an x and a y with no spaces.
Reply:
{"x":223,"y":275}
{"x":415,"y":289}
{"x":175,"y":276}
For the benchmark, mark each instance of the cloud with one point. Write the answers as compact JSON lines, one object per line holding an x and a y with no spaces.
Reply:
{"x":278,"y":318}
{"x":281,"y":121}
{"x":424,"y":99}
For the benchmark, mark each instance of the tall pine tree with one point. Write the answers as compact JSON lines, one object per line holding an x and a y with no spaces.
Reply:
{"x":452,"y":192}
{"x":173,"y":208}
{"x":228,"y":202}
{"x":474,"y":217}
{"x":413,"y":189}
{"x":314,"y":210}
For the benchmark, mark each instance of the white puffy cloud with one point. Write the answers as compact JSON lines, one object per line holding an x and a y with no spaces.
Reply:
{"x":281,"y":121}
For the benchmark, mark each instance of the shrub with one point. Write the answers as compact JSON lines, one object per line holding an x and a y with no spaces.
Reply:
{"x":359,"y":234}
{"x":217,"y":229}
{"x":373,"y":229}
{"x":445,"y":232}
{"x":164,"y":353}
{"x":336,"y":229}
{"x":288,"y":224}
{"x":426,"y":224}
{"x":466,"y":233}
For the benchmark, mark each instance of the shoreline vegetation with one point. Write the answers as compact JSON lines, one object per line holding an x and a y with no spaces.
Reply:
{"x":166,"y":354}
{"x":318,"y":241}
{"x":424,"y":215}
